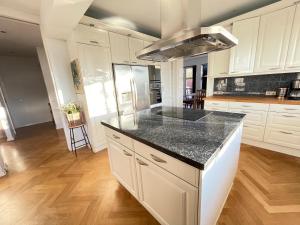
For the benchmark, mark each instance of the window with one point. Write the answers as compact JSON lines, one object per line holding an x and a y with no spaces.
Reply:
{"x":190,"y":79}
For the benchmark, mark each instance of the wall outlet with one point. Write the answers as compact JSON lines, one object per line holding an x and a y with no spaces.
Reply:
{"x":270,"y":93}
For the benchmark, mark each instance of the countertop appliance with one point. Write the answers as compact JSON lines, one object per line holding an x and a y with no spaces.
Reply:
{"x":132,"y":88}
{"x":294,"y":92}
{"x":281,"y":93}
{"x":182,"y":34}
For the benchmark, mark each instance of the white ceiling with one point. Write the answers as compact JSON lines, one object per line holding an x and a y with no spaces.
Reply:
{"x":26,"y":6}
{"x":144,"y":15}
{"x":20,"y":39}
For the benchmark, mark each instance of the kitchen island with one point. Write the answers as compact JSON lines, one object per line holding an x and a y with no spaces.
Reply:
{"x":178,"y":163}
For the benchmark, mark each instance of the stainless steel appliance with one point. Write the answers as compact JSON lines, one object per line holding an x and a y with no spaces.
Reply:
{"x":182,"y":34}
{"x":281,"y":93}
{"x":294,"y":92}
{"x":132,"y":88}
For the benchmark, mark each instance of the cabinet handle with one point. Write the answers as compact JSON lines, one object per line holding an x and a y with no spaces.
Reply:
{"x":245,"y":126}
{"x":141,"y":162}
{"x":115,"y":136}
{"x":285,"y":132}
{"x":126,"y":61}
{"x":274,"y":68}
{"x":288,"y":116}
{"x":215,"y":103}
{"x":223,"y":73}
{"x":246,"y":106}
{"x":94,"y":42}
{"x":157,"y":159}
{"x":292,"y":66}
{"x":289,"y":109}
{"x":134,"y":62}
{"x":126,"y":153}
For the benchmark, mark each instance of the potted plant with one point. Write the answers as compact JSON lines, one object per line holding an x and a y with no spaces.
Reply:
{"x":73,"y":114}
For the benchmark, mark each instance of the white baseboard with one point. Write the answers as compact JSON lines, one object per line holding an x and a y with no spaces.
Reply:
{"x":272,"y":147}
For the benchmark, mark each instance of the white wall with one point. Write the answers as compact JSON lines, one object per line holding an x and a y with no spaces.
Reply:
{"x":50,"y":87}
{"x":24,"y":89}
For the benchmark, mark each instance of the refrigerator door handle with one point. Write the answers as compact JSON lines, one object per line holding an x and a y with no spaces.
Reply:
{"x":133,"y":94}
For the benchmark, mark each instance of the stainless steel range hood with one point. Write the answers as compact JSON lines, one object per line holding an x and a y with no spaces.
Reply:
{"x":188,"y":41}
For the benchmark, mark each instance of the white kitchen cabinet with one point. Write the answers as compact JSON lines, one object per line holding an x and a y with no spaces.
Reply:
{"x":242,"y":56}
{"x":282,"y":136}
{"x":273,"y":39}
{"x":169,"y":199}
{"x":293,"y":57}
{"x":122,"y":165}
{"x":216,"y":105}
{"x":218,"y":62}
{"x":90,"y":35}
{"x":119,"y":45}
{"x":134,"y":46}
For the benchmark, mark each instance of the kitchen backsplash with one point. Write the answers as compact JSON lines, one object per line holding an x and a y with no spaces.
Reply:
{"x":252,"y":85}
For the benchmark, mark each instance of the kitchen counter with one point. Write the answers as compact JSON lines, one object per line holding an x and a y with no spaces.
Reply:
{"x":193,"y":142}
{"x":266,"y":100}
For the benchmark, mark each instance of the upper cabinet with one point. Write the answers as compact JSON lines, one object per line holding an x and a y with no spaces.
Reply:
{"x":134,"y":46}
{"x":91,"y":35}
{"x":119,"y":45}
{"x":273,"y":39}
{"x":293,"y":57}
{"x":218,"y":62}
{"x":242,"y":56}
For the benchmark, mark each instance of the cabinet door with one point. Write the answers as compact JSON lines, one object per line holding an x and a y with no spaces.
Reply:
{"x":169,"y":199}
{"x":123,"y":166}
{"x":273,"y":40}
{"x":242,"y":56}
{"x":90,"y":35}
{"x":134,"y":46}
{"x":119,"y":45}
{"x":218,"y":62}
{"x":293,"y":58}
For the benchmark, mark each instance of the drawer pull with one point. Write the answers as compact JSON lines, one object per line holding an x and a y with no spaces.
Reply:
{"x":288,"y":116}
{"x":274,"y":68}
{"x":157,"y":159}
{"x":94,"y":42}
{"x":126,"y":153}
{"x":141,"y":162}
{"x":284,"y":132}
{"x":115,"y":136}
{"x":247,"y":106}
{"x":215,"y":103}
{"x":289,"y":109}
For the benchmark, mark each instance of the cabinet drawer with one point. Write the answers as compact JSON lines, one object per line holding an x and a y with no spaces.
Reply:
{"x":249,"y":106}
{"x":253,"y":132}
{"x":216,"y":104}
{"x":282,"y":137}
{"x":285,"y":108}
{"x":120,"y":138}
{"x":252,"y":116}
{"x":180,"y":169}
{"x":280,"y":120}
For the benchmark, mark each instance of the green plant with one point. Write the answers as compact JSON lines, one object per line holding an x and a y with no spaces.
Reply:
{"x":71,"y":108}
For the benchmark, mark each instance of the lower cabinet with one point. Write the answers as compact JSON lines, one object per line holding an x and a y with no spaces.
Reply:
{"x":169,"y":199}
{"x":288,"y":138}
{"x":122,"y":165}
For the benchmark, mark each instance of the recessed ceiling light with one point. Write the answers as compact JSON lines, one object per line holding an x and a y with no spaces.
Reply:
{"x":3,"y":31}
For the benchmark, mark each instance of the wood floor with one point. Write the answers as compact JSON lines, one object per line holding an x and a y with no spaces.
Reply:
{"x":47,"y":185}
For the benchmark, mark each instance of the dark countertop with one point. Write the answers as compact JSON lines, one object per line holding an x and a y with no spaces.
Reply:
{"x":193,"y":142}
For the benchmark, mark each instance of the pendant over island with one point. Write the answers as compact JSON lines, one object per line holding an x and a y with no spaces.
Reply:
{"x":178,"y":163}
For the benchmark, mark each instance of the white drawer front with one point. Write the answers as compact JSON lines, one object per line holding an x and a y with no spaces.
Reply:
{"x":282,"y":137}
{"x":252,"y":116}
{"x":120,"y":138}
{"x":253,"y":132}
{"x":284,"y":120}
{"x":216,"y":108}
{"x":285,"y":108}
{"x":216,"y":104}
{"x":249,"y":106}
{"x":180,"y":169}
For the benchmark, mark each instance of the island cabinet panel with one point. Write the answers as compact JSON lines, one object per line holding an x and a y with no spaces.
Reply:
{"x":180,"y":169}
{"x":123,"y":166}
{"x":273,"y":39}
{"x":242,"y":56}
{"x":293,"y":58}
{"x":169,"y":199}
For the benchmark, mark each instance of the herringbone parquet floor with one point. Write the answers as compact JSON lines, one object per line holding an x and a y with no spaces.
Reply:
{"x":47,"y":185}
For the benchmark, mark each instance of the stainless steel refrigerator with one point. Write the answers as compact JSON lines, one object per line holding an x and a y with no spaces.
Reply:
{"x":132,"y":88}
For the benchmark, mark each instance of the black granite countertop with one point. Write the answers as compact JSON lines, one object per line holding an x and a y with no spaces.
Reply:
{"x":187,"y":138}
